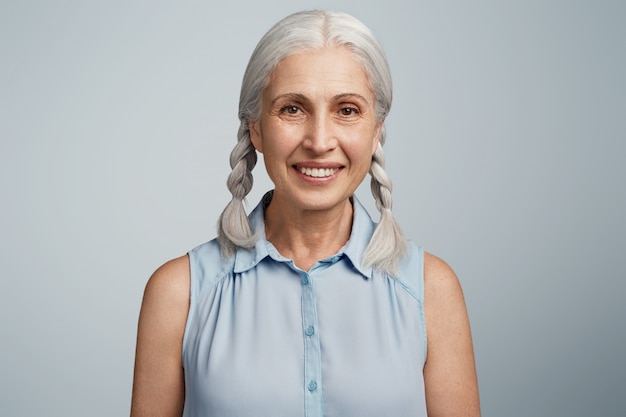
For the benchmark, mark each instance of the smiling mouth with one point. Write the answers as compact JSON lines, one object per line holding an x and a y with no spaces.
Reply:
{"x":318,"y":172}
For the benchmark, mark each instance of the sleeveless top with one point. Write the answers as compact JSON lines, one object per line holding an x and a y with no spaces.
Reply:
{"x":266,"y":339}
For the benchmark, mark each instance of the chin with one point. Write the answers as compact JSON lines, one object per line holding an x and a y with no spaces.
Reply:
{"x":320,"y":201}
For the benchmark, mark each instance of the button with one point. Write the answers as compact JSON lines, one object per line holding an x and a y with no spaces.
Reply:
{"x":309,"y":331}
{"x":312,"y":386}
{"x":305,"y":280}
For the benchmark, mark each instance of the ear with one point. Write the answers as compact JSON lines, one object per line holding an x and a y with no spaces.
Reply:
{"x":255,"y":134}
{"x":376,"y":140}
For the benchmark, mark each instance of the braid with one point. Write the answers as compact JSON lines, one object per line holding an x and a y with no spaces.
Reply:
{"x":387,"y":244}
{"x":233,"y":225}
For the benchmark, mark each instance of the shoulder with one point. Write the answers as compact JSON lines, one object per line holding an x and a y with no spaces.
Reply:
{"x":168,"y":287}
{"x":439,"y":278}
{"x":426,"y":273}
{"x":207,"y":257}
{"x":171,"y":276}
{"x":165,"y":307}
{"x":444,"y":303}
{"x":207,"y":266}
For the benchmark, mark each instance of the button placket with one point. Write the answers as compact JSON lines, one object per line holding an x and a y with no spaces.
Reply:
{"x":312,"y":352}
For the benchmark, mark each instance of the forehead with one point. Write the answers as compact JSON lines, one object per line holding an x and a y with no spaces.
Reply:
{"x":328,"y":69}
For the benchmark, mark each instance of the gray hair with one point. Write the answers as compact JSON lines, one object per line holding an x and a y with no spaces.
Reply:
{"x":294,"y":34}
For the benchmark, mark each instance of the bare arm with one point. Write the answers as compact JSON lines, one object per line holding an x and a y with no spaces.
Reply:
{"x":159,"y":387}
{"x":450,"y":372}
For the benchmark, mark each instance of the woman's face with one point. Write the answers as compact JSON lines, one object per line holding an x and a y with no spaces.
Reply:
{"x":317,"y":130}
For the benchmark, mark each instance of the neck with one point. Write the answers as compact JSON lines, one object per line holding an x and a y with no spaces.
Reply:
{"x":306,"y":236}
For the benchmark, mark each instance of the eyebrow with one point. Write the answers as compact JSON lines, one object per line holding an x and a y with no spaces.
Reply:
{"x":289,"y":96}
{"x":347,"y":96}
{"x":301,"y":98}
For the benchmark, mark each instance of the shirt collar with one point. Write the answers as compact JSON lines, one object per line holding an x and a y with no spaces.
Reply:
{"x":362,"y":231}
{"x":246,"y":259}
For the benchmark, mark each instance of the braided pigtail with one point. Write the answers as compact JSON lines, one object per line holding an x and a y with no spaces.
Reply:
{"x":388,"y":244}
{"x":233,"y":226}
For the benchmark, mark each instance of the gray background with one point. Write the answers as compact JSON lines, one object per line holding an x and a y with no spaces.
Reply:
{"x":506,"y":147}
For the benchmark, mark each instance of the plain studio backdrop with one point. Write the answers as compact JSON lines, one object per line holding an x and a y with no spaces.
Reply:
{"x":505,"y":145}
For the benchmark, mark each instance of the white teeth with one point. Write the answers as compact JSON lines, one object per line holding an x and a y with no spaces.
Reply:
{"x":318,"y":172}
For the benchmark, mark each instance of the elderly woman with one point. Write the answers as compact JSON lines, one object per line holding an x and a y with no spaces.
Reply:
{"x":306,"y":307}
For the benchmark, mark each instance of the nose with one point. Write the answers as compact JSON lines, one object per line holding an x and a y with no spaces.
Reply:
{"x":320,"y":136}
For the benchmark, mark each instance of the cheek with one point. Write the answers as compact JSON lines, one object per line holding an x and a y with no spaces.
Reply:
{"x":280,"y":140}
{"x":277,"y":149}
{"x":362,"y":145}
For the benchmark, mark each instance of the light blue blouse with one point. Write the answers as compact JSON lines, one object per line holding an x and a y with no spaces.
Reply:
{"x":266,"y":339}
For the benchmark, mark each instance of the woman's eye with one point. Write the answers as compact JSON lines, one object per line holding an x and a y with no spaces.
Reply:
{"x":348,"y":111}
{"x":291,"y":110}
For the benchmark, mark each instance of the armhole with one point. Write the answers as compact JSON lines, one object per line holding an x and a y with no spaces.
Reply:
{"x":420,"y":289}
{"x":193,"y":291}
{"x":412,"y":279}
